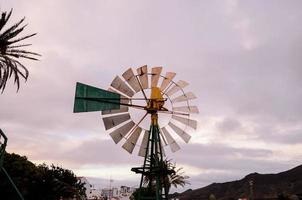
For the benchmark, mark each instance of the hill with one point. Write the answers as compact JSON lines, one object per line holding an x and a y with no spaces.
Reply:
{"x":264,"y":186}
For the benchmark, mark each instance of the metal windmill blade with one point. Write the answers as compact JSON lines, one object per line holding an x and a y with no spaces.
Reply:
{"x":132,"y":140}
{"x":170,"y":140}
{"x":187,"y":109}
{"x":118,"y":134}
{"x":115,"y":120}
{"x":167,"y":80}
{"x":185,"y":136}
{"x":184,"y":97}
{"x":131,"y":79}
{"x":186,"y":121}
{"x":121,"y":86}
{"x":142,"y":73}
{"x":155,"y":76}
{"x":178,"y":86}
{"x":144,"y":144}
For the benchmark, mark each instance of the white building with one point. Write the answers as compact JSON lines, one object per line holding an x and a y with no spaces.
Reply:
{"x":114,"y":193}
{"x":122,"y":193}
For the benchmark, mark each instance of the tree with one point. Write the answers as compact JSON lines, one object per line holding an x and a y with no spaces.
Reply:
{"x":22,"y":173}
{"x":55,"y":182}
{"x":11,"y":51}
{"x":39,"y":182}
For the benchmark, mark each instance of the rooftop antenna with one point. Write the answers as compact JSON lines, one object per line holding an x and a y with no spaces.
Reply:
{"x":141,"y":92}
{"x":110,"y":188}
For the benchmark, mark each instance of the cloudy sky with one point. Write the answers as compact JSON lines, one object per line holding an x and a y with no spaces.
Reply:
{"x":241,"y":58}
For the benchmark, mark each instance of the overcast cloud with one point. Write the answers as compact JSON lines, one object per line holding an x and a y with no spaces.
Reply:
{"x":241,"y":58}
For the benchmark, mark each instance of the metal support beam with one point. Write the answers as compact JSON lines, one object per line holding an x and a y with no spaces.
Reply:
{"x":3,"y":143}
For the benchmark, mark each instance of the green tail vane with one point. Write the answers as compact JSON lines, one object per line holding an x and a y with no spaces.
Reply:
{"x":89,"y":99}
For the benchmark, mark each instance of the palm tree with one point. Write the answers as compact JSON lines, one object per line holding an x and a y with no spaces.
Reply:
{"x":178,"y":178}
{"x":11,"y":51}
{"x":173,"y":176}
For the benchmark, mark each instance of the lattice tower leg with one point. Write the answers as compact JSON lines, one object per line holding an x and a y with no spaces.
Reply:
{"x":3,"y":143}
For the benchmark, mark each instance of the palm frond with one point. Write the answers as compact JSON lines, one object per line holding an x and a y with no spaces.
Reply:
{"x":14,"y":33}
{"x":10,"y":65}
{"x":21,"y":56}
{"x":22,"y":38}
{"x":11,"y":31}
{"x":19,"y":51}
{"x":5,"y":18}
{"x":18,"y":46}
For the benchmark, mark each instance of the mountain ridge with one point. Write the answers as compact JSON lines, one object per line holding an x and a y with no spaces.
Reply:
{"x":260,"y":186}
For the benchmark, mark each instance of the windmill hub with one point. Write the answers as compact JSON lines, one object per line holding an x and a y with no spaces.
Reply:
{"x":156,"y":101}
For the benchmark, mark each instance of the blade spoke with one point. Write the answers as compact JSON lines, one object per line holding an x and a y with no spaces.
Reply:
{"x":140,"y":121}
{"x":107,"y":100}
{"x":142,"y":79}
{"x":142,"y":89}
{"x":173,"y":112}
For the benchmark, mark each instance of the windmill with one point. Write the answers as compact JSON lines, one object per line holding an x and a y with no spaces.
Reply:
{"x":143,"y":93}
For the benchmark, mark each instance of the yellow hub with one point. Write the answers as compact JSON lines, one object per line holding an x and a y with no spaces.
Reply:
{"x":156,"y":103}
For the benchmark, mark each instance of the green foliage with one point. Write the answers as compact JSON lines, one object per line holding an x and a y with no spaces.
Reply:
{"x":38,"y":182}
{"x":173,"y":176}
{"x":178,"y":178}
{"x":11,"y":51}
